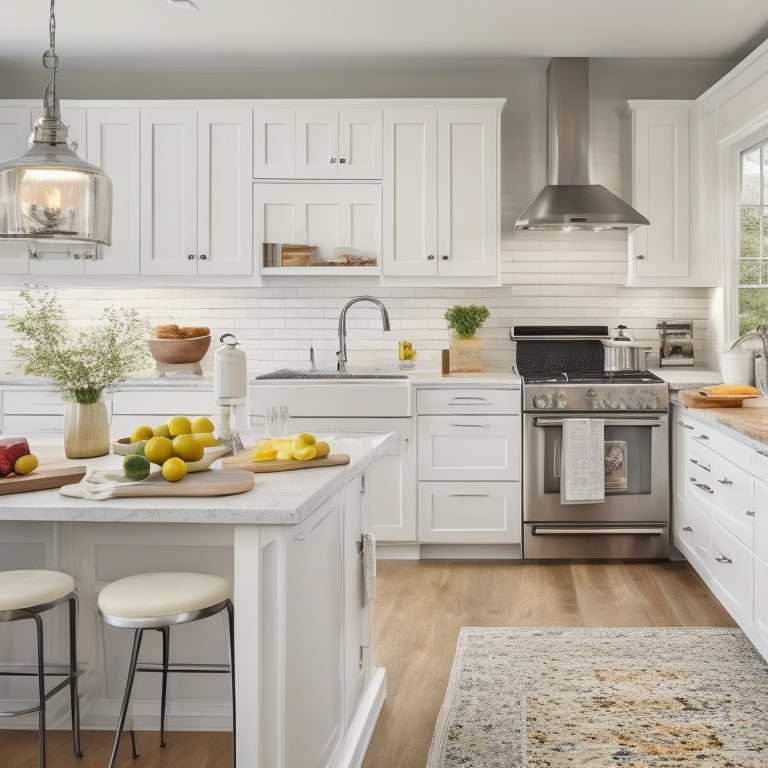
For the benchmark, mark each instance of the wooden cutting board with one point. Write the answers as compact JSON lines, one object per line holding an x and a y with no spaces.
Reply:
{"x":243,"y":461}
{"x":694,"y":399}
{"x":41,"y":479}
{"x":212,"y":482}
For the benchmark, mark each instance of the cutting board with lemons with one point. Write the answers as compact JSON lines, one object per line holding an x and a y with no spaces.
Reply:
{"x":243,"y":460}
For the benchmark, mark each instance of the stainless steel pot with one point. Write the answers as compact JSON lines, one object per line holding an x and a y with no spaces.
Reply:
{"x":625,"y":356}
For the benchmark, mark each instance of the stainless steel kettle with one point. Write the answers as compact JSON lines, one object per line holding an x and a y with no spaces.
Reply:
{"x":623,"y":354}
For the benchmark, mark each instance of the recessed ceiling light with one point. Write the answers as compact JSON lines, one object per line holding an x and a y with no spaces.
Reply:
{"x":188,"y":4}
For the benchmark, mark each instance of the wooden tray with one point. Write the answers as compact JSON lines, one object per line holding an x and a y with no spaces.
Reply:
{"x":112,"y":485}
{"x":41,"y":479}
{"x":694,"y":399}
{"x":243,"y":461}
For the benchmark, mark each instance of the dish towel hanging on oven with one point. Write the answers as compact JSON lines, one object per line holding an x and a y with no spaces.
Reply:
{"x":582,"y":465}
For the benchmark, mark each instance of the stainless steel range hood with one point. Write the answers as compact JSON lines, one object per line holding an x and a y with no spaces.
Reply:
{"x":570,"y":201}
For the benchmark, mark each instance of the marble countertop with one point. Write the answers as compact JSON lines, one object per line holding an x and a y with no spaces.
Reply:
{"x":750,"y":423}
{"x":283,"y":498}
{"x":688,"y":377}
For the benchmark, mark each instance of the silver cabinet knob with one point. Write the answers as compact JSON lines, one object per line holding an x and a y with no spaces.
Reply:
{"x":342,"y":160}
{"x":639,"y":257}
{"x":203,"y":257}
{"x":431,"y":257}
{"x":190,"y":257}
{"x":333,"y":160}
{"x":444,"y":257}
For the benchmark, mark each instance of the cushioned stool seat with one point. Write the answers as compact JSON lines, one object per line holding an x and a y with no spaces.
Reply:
{"x":25,"y":594}
{"x":159,"y":601}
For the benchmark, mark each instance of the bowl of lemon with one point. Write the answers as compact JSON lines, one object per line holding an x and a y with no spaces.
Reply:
{"x":177,"y":446}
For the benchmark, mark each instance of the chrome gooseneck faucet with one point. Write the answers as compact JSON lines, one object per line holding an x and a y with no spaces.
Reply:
{"x":342,"y":353}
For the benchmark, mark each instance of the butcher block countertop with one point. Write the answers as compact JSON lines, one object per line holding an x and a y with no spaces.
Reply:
{"x":282,"y":498}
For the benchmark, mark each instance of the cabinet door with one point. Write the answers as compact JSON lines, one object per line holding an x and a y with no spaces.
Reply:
{"x":224,"y":141}
{"x":317,"y":143}
{"x":660,"y":254}
{"x":15,"y":129}
{"x":168,"y":192}
{"x":469,"y":513}
{"x":314,"y":638}
{"x":410,"y":192}
{"x":359,"y":143}
{"x":274,"y":143}
{"x":467,"y":237}
{"x":113,"y":145}
{"x":732,"y":570}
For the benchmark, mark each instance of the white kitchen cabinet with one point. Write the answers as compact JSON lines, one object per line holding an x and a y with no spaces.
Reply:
{"x":32,"y":410}
{"x":441,"y":180}
{"x":317,"y":142}
{"x":468,"y":466}
{"x":195,"y":192}
{"x":657,"y":153}
{"x":760,"y":601}
{"x":324,"y":215}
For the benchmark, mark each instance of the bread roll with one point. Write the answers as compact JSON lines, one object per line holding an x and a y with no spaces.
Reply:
{"x":726,"y":390}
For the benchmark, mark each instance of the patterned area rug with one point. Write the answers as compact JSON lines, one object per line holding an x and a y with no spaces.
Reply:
{"x":559,"y":698}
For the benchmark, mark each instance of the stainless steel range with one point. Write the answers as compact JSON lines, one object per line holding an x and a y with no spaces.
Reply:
{"x":564,"y":381}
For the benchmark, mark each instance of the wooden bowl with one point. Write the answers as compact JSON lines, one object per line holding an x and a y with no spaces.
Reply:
{"x":179,"y":350}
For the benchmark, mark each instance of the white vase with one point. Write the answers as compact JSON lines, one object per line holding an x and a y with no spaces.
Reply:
{"x":86,"y":429}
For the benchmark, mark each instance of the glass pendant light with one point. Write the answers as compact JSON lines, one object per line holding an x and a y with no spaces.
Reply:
{"x":48,"y":192}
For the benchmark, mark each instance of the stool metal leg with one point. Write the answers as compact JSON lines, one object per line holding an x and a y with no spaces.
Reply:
{"x":231,"y":617}
{"x":137,"y":635}
{"x":166,"y":652}
{"x":40,"y":689}
{"x":74,"y":699}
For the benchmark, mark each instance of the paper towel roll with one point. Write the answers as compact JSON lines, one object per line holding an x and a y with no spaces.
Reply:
{"x":737,"y":366}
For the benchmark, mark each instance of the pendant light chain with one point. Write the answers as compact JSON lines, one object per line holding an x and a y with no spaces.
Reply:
{"x":51,"y":61}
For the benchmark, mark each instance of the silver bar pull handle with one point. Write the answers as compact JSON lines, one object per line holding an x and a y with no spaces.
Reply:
{"x":481,"y":426}
{"x":596,"y":530}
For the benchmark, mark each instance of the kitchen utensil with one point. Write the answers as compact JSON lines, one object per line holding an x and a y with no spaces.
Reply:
{"x":623,"y":354}
{"x":98,"y":485}
{"x":694,"y":398}
{"x":243,"y":461}
{"x":675,"y":342}
{"x":41,"y":479}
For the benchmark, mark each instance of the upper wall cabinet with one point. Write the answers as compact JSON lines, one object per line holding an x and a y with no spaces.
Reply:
{"x":657,"y":154}
{"x":196,"y":192}
{"x":317,"y":143}
{"x":441,"y":181}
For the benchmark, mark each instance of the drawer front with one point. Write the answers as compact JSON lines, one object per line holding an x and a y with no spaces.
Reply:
{"x":727,"y":487}
{"x":760,"y":601}
{"x":761,"y":521}
{"x":732,"y":567}
{"x":36,"y":423}
{"x":691,"y":534}
{"x":33,"y":401}
{"x":469,"y":513}
{"x":468,"y":447}
{"x":165,"y":403}
{"x":448,"y":401}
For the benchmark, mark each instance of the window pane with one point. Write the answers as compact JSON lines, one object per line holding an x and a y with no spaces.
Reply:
{"x":753,"y":308}
{"x":749,"y":272}
{"x":750,"y":177}
{"x":750,"y":231}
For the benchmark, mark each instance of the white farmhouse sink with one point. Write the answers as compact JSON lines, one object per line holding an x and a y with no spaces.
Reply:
{"x":330,"y":394}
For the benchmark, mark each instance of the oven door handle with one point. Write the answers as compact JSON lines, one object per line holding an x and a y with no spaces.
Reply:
{"x":538,"y":421}
{"x":599,"y":530}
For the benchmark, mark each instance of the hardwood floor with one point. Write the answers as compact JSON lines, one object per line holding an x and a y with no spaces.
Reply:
{"x":420,"y":608}
{"x":422,"y":605}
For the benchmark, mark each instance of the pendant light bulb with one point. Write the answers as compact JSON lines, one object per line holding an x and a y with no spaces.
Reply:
{"x":49,"y":193}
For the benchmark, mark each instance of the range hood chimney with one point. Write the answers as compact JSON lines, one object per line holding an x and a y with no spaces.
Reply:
{"x":570,"y":201}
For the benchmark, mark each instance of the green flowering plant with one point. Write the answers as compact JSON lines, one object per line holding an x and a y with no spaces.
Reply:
{"x":82,"y":362}
{"x":465,"y":321}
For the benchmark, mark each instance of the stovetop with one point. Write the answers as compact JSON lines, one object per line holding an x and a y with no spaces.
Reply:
{"x":592,"y":377}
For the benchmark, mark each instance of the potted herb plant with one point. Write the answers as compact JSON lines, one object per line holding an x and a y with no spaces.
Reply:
{"x":82,"y":363}
{"x":466,"y":346}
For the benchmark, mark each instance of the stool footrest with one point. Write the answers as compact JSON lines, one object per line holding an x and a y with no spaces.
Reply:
{"x":56,"y":688}
{"x":179,"y":666}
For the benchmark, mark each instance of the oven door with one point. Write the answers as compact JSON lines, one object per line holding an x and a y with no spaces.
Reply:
{"x":639,"y":492}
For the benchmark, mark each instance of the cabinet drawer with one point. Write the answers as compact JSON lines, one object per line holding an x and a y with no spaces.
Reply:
{"x":469,"y":513}
{"x":18,"y":424}
{"x":732,"y":567}
{"x":33,"y":401}
{"x":165,"y":403}
{"x":467,"y":401}
{"x":464,"y":447}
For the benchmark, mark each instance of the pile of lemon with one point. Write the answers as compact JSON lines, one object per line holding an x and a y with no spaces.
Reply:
{"x":171,"y":445}
{"x":302,"y":447}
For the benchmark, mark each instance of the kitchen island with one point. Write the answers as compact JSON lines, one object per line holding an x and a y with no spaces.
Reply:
{"x":307,"y":694}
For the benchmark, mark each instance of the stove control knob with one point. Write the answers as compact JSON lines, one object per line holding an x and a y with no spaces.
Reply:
{"x":540,"y":401}
{"x":561,"y":401}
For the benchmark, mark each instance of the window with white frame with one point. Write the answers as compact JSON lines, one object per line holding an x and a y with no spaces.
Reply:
{"x":753,"y":238}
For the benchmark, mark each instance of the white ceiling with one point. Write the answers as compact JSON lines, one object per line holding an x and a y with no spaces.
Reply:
{"x":424,"y":35}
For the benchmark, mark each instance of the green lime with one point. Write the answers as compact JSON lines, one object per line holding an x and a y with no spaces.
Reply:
{"x":139,"y":447}
{"x":136,"y":467}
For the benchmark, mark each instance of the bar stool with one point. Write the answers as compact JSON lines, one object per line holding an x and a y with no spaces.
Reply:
{"x":25,"y":595}
{"x":159,"y":601}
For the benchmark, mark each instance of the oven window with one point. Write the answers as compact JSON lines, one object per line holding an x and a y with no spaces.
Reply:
{"x":627,"y":455}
